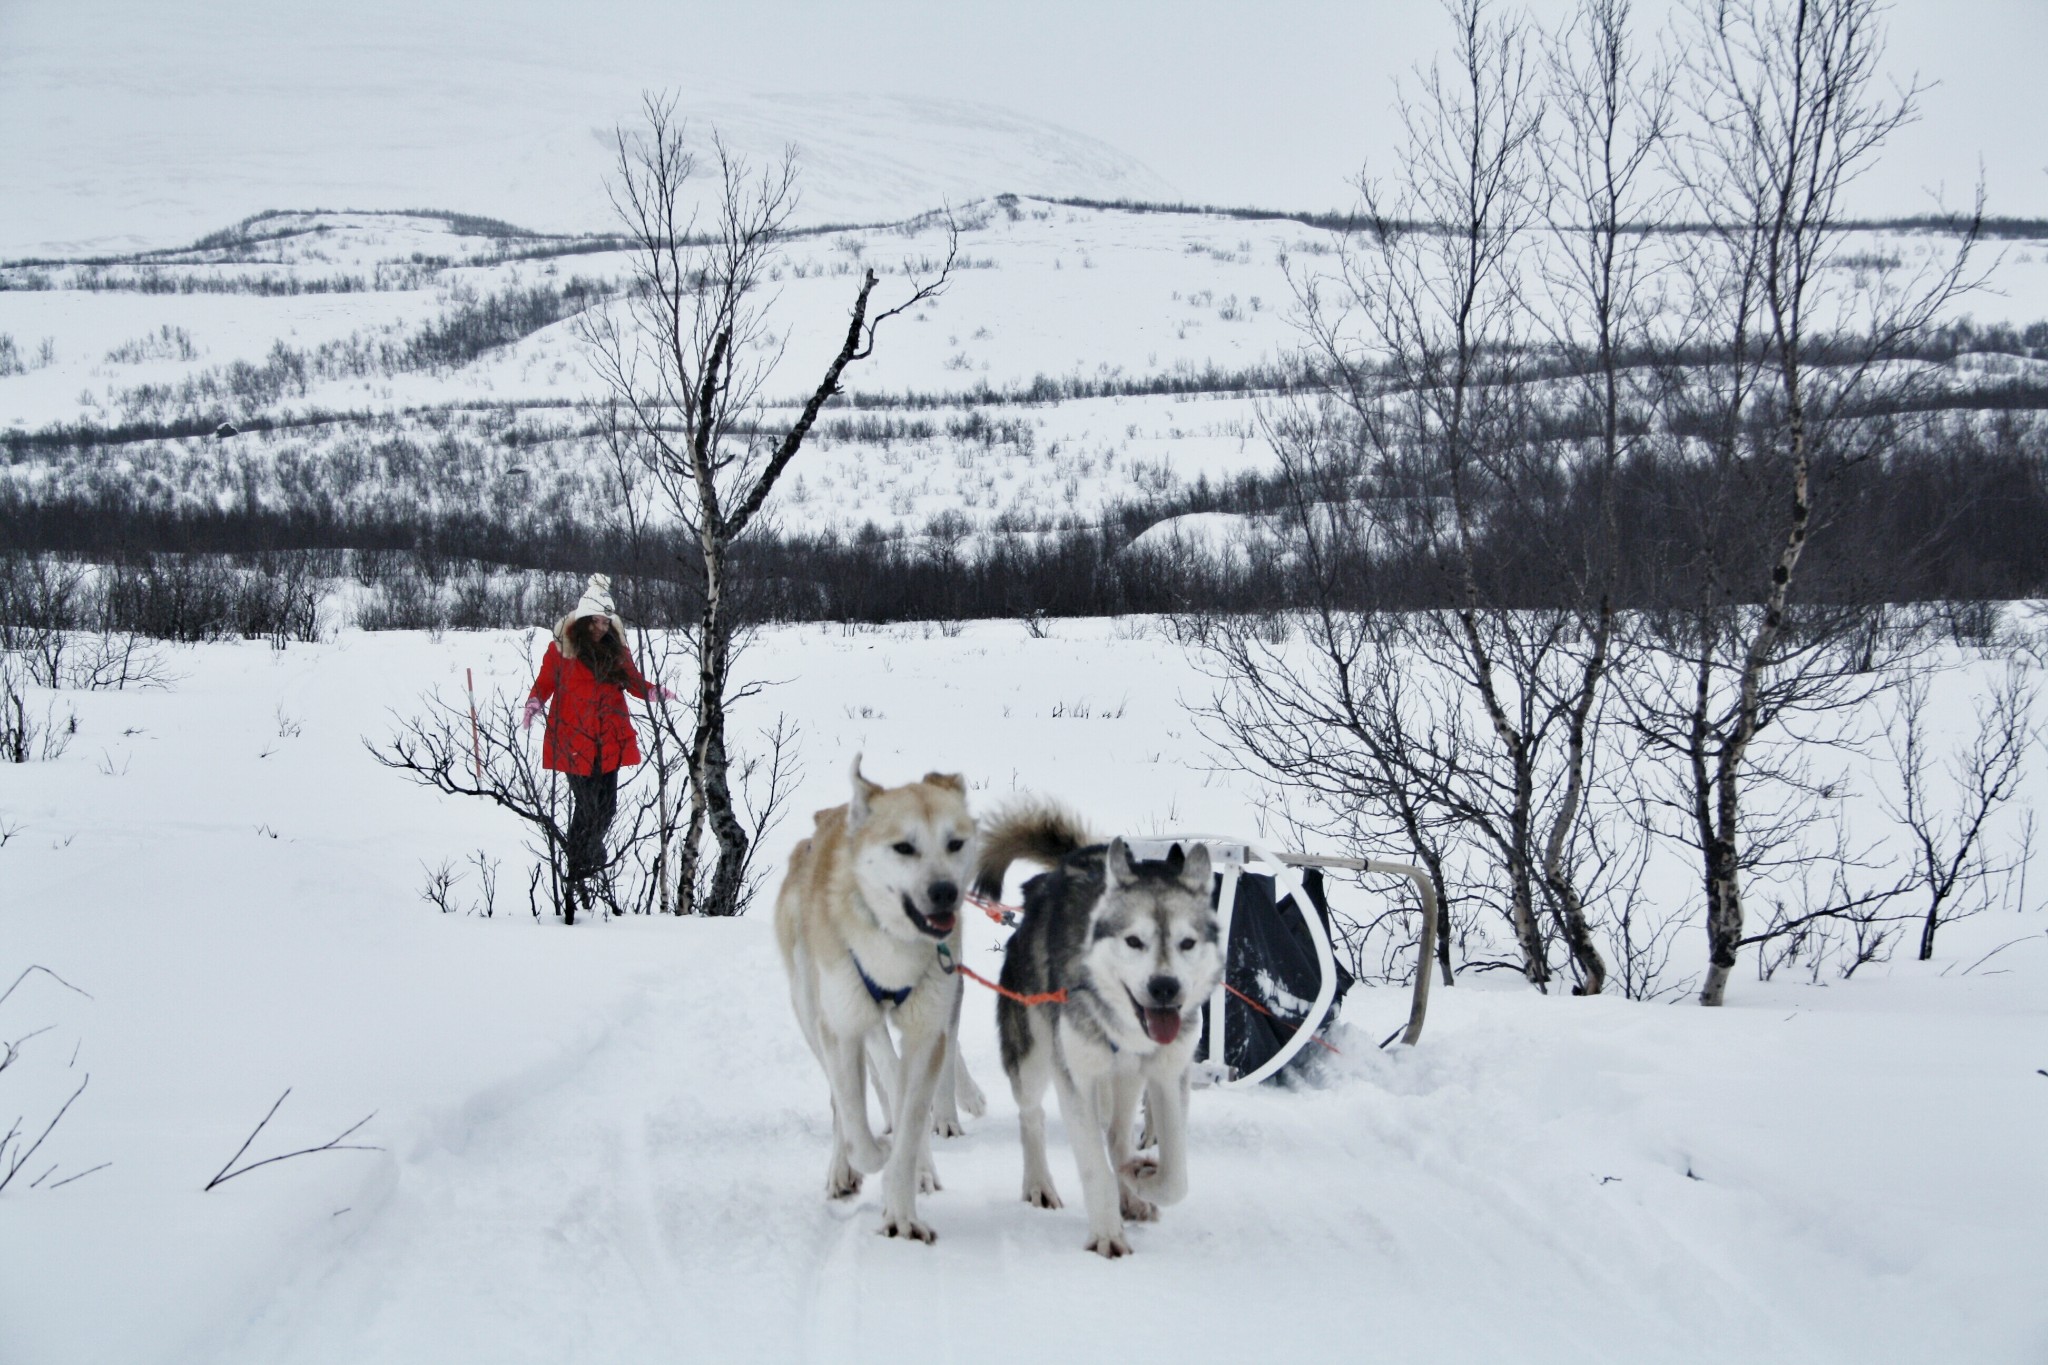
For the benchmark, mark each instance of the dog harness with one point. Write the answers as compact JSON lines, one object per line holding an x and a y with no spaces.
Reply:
{"x":881,"y":995}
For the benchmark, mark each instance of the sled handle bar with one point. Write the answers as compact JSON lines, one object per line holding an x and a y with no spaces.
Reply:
{"x":1418,"y":1004}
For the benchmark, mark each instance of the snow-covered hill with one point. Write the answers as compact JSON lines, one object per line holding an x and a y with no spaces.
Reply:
{"x":143,"y":125}
{"x":1089,"y":300}
{"x":1144,"y":343}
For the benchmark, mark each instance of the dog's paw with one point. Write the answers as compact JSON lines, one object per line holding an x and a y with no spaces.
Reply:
{"x":1137,"y":1210}
{"x":928,"y":1180}
{"x":908,"y":1227}
{"x":968,"y":1095}
{"x":841,"y":1180}
{"x":1145,"y":1179}
{"x":947,"y":1126}
{"x":1042,"y":1196}
{"x":1109,"y":1246}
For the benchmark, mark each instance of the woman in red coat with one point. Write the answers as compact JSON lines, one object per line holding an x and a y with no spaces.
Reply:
{"x":586,"y":675}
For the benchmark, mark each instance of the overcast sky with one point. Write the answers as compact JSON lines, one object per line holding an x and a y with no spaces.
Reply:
{"x":162,"y":115}
{"x":1277,"y":102}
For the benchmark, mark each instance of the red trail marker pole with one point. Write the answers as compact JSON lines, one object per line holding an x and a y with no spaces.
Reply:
{"x":476,"y":748}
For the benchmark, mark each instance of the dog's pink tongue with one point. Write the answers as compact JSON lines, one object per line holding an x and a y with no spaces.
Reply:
{"x":1162,"y":1026}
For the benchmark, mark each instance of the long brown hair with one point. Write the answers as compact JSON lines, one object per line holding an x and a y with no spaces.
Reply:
{"x":605,"y":654}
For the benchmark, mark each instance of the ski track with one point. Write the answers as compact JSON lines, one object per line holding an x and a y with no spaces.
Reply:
{"x":660,"y":1200}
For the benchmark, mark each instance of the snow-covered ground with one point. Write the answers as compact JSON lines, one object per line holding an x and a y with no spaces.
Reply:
{"x":607,"y":1143}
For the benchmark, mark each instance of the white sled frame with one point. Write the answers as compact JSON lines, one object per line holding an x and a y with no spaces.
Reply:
{"x":1230,"y":856}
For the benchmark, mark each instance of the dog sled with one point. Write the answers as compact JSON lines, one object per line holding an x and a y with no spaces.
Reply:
{"x":1282,"y":982}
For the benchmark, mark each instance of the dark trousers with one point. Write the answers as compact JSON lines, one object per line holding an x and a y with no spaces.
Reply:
{"x":592,"y":802}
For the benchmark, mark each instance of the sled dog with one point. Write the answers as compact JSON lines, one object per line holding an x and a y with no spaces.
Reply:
{"x":868,"y":920}
{"x":1135,"y":948}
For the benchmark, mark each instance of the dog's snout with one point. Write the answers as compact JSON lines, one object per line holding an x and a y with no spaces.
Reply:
{"x":944,"y":895}
{"x":1164,"y":990}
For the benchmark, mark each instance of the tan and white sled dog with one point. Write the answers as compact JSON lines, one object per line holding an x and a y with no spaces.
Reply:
{"x":868,"y":920}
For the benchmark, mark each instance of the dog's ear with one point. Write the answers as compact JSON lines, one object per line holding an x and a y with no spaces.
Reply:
{"x":863,"y":792}
{"x":950,"y":781}
{"x":1196,"y":873}
{"x":1122,"y":871}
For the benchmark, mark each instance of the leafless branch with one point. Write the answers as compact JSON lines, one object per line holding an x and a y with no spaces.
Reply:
{"x":38,"y":967}
{"x":81,"y":1175}
{"x":16,"y":1162}
{"x":1947,"y":837}
{"x":337,"y":1143}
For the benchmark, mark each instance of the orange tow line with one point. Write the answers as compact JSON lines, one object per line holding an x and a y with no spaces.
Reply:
{"x":995,"y":910}
{"x":1041,"y":998}
{"x":1313,"y":1037}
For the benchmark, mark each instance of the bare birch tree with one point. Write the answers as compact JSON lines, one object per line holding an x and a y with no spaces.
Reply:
{"x":1949,"y":859}
{"x":1327,"y":701}
{"x":689,"y":357}
{"x":1788,"y":111}
{"x":1421,"y":336}
{"x":1424,"y":336}
{"x":1608,"y":113}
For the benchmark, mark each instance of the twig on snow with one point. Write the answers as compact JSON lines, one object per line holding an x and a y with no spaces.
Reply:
{"x":81,"y":1175}
{"x":333,"y":1144}
{"x":10,"y":1051}
{"x":15,"y":1164}
{"x":38,"y":967}
{"x":1995,"y":952}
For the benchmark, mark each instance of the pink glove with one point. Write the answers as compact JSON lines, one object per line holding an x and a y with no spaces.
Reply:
{"x":534,"y":706}
{"x":663,"y":693}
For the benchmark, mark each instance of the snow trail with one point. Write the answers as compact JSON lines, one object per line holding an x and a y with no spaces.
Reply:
{"x":607,"y":1143}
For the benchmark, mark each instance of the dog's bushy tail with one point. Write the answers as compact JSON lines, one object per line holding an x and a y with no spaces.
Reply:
{"x":1043,"y":831}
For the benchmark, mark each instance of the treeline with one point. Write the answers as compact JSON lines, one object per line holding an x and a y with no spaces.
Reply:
{"x":1184,"y":379}
{"x":185,"y":599}
{"x":1968,"y":494}
{"x":157,"y":280}
{"x":480,"y":323}
{"x":2015,"y":229}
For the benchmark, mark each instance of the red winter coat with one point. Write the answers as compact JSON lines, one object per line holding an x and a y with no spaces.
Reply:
{"x":588,"y":724}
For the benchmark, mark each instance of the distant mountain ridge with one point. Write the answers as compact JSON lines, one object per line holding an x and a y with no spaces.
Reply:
{"x":862,"y":158}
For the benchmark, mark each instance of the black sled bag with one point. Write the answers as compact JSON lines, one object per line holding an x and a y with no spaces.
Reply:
{"x":1272,"y":960}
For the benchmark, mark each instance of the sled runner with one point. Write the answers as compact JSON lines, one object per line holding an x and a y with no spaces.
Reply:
{"x":1282,"y":981}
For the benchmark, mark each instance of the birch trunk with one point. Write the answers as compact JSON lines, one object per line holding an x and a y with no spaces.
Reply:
{"x":1724,"y":864}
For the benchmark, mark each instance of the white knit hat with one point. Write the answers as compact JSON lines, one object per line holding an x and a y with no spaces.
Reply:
{"x":596,"y":600}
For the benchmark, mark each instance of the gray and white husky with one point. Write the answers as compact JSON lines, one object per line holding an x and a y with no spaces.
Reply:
{"x":1132,"y":948}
